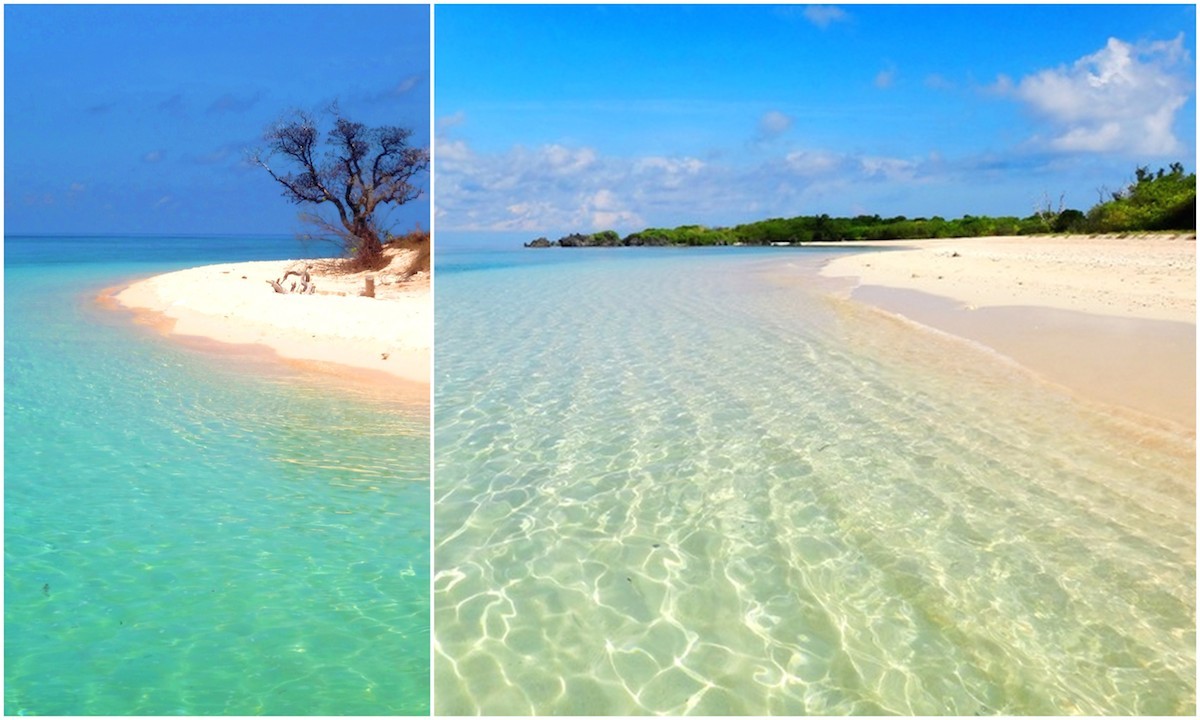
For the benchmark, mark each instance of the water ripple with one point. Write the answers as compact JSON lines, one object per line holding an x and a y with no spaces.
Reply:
{"x":681,"y":488}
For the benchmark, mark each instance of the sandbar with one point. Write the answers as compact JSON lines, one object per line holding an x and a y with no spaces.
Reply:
{"x":388,"y":337}
{"x":1110,"y":318}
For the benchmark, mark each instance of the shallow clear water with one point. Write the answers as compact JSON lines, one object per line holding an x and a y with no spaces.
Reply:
{"x":190,"y":533}
{"x":686,"y":482}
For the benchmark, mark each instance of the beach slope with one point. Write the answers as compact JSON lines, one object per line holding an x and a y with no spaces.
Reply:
{"x":1110,"y":318}
{"x":335,"y":327}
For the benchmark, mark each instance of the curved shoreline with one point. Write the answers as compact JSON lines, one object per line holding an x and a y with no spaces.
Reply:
{"x":384,"y":341}
{"x":1110,"y":319}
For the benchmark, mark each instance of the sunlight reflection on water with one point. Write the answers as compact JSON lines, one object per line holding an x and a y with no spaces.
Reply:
{"x":684,"y":485}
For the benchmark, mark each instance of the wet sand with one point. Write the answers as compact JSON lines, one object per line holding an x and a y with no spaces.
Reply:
{"x":1111,"y":319}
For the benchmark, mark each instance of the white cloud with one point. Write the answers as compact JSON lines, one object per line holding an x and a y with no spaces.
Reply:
{"x":824,"y":15}
{"x":528,"y":216}
{"x":814,"y":163}
{"x":446,"y":122}
{"x":888,"y":168}
{"x":603,"y":199}
{"x":666,"y":173}
{"x":1122,"y":98}
{"x":407,"y":84}
{"x":522,"y":189}
{"x":573,"y":188}
{"x":1002,"y":87}
{"x":153,"y":156}
{"x":670,"y":166}
{"x":451,"y":150}
{"x":565,"y":161}
{"x":603,"y":209}
{"x":773,"y":124}
{"x":1092,"y":138}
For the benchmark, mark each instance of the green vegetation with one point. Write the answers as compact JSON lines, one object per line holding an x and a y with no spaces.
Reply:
{"x":1165,"y":200}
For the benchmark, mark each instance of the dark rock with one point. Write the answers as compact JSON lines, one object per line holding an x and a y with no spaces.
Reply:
{"x":604,"y":238}
{"x":575,"y":240}
{"x":647,"y":240}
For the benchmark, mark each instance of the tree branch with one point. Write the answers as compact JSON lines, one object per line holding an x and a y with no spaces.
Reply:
{"x":341,"y":176}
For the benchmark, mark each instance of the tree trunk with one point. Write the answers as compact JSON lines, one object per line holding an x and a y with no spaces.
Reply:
{"x":370,"y":250}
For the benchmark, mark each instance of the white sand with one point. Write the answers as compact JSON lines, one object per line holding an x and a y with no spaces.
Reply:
{"x":233,"y":303}
{"x":1152,"y":277}
{"x":1111,"y":319}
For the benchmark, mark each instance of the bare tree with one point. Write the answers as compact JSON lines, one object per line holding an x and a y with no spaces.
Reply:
{"x":1045,"y":210}
{"x":362,"y":170}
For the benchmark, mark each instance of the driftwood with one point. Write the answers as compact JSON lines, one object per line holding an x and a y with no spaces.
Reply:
{"x":307,"y":286}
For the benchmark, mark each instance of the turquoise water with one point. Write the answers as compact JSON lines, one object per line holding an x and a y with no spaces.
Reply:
{"x":695,"y":482}
{"x":189,"y":533}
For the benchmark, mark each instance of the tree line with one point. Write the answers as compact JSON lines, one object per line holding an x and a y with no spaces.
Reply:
{"x":1153,"y":201}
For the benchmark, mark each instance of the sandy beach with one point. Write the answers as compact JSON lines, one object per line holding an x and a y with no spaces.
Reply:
{"x":334,"y":328}
{"x":1112,"y":319}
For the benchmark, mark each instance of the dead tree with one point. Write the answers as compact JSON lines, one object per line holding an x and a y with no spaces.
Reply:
{"x":363,"y":170}
{"x":1045,"y":212}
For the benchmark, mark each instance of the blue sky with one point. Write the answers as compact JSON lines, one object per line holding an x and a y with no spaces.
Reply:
{"x":134,"y":119}
{"x":560,"y":118}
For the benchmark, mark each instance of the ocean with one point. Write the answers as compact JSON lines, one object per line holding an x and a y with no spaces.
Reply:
{"x":698,"y":482}
{"x":192,"y":532}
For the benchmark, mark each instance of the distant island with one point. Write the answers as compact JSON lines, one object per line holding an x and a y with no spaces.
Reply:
{"x":1162,"y":201}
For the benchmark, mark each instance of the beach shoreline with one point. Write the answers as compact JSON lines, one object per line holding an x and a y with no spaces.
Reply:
{"x":1111,"y":319}
{"x":384,"y":341}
